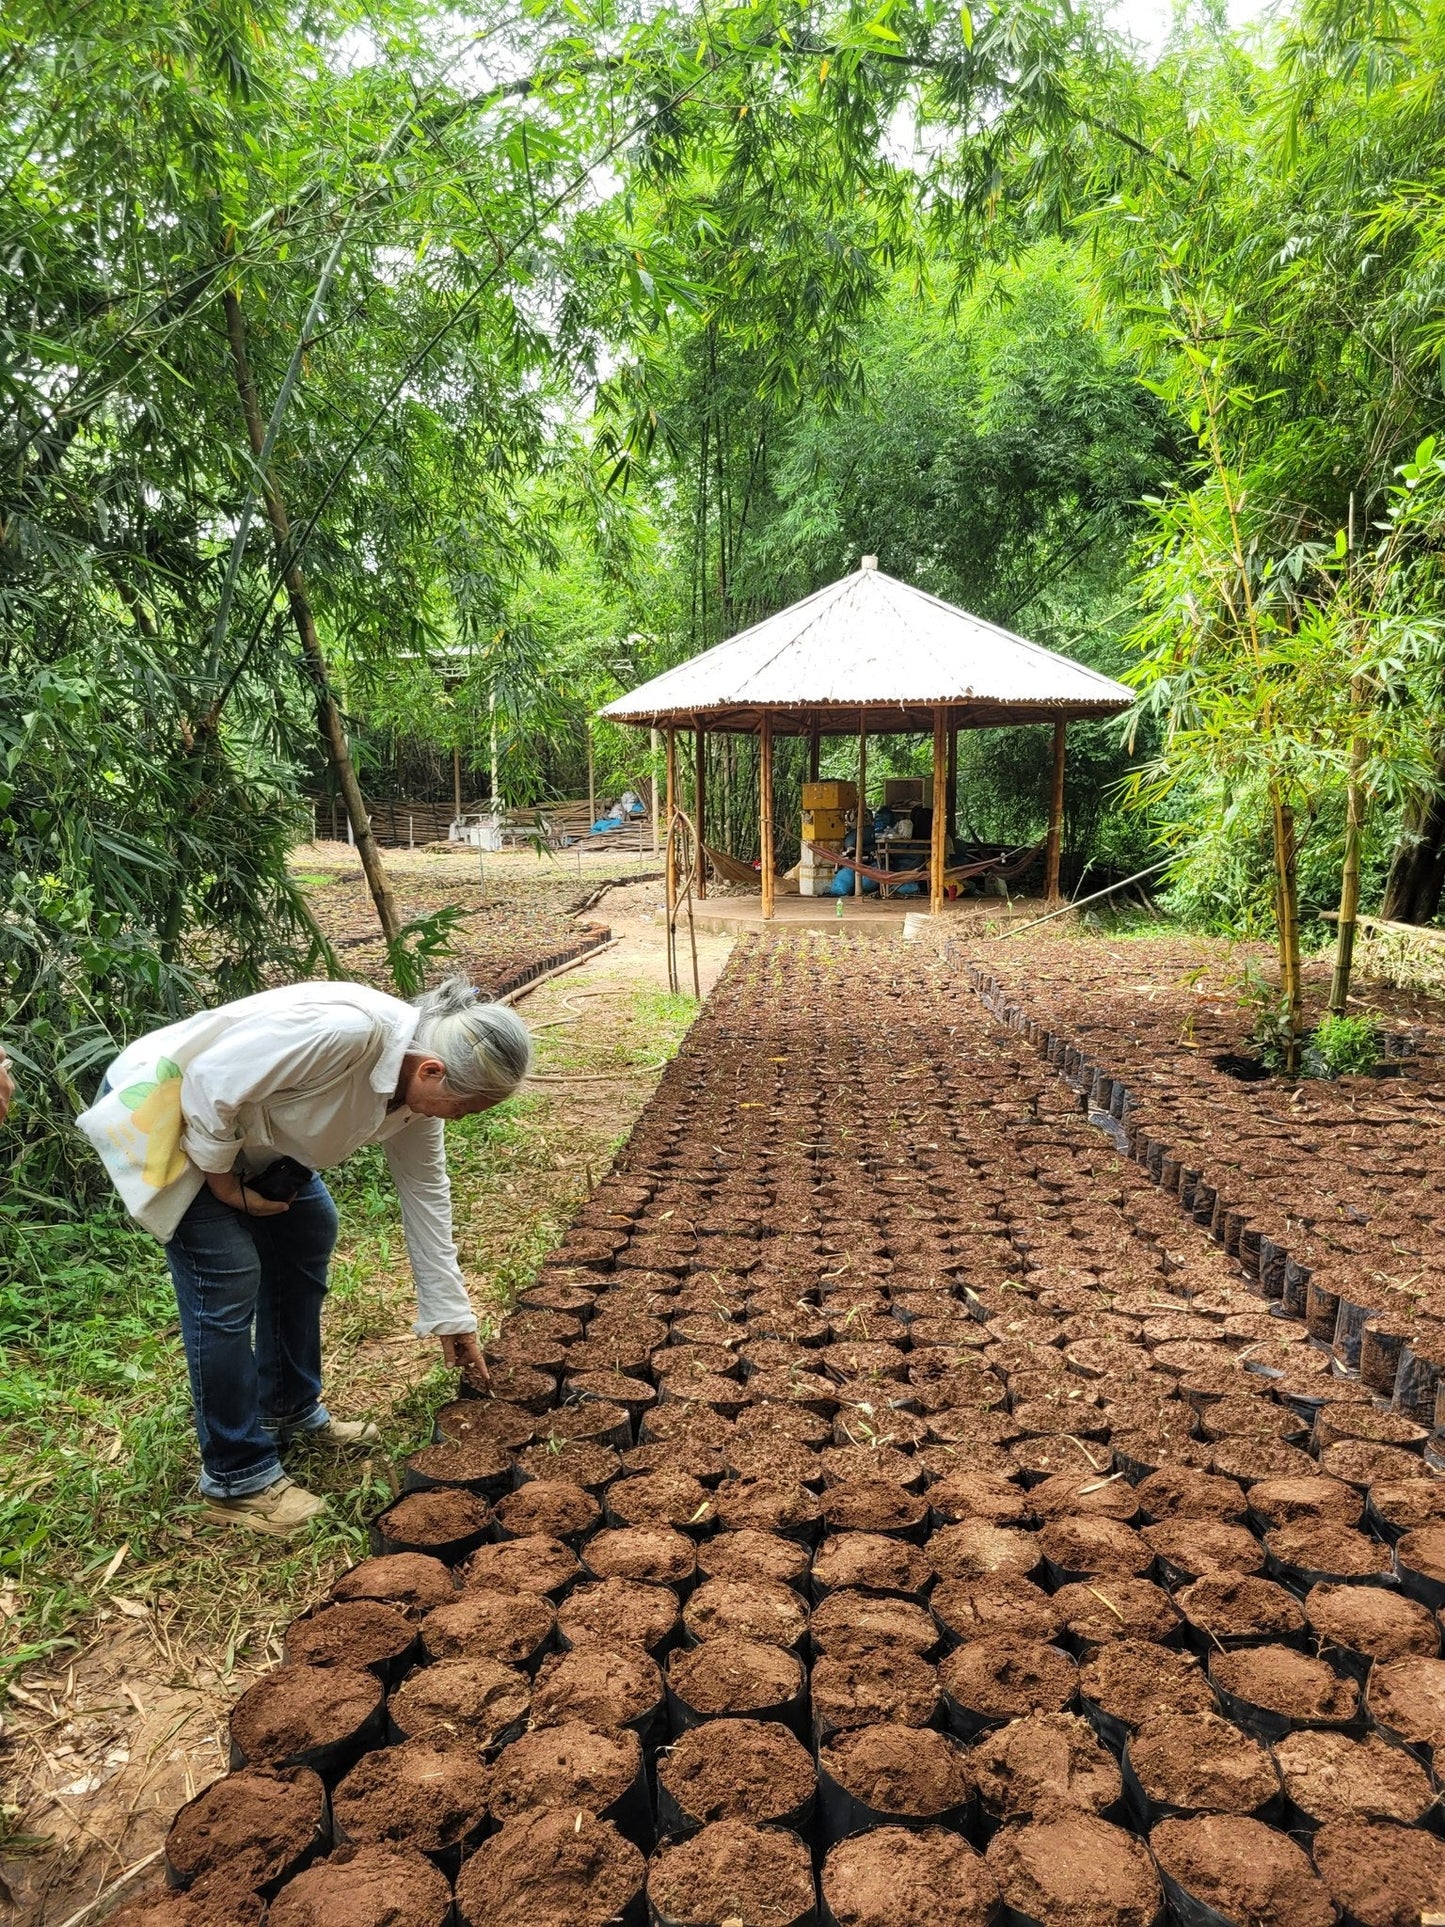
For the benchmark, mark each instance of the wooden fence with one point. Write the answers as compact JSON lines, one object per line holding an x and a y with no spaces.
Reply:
{"x":406,"y":824}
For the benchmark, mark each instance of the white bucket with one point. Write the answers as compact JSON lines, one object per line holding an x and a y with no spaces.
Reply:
{"x":916,"y":925}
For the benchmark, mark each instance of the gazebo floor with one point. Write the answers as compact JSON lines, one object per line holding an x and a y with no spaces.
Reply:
{"x":865,"y":916}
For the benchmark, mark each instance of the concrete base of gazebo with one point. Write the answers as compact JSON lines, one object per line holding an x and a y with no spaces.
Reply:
{"x":862,"y":917}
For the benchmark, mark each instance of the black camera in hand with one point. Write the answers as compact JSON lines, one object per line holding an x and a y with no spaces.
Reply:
{"x":280,"y":1182}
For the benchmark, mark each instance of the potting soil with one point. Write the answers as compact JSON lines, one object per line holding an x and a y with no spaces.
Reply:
{"x":914,"y":1423}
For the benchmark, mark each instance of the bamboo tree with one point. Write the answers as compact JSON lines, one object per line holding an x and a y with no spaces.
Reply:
{"x":333,"y":728}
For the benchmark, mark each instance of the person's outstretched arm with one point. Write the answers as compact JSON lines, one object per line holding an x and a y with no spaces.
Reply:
{"x":417,"y":1156}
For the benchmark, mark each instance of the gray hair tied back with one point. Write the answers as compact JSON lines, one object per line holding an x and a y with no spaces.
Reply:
{"x":486,"y":1048}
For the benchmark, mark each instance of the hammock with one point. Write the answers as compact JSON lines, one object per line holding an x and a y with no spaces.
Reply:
{"x":728,"y":867}
{"x":1002,"y":865}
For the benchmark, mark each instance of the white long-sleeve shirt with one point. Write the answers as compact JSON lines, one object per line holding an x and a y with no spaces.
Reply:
{"x":308,"y":1071}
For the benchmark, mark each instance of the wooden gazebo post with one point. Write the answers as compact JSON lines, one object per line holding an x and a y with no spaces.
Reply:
{"x":765,"y":807}
{"x":815,"y":746}
{"x":671,"y":817}
{"x":952,"y":799}
{"x":699,"y":786}
{"x":862,"y":800}
{"x":940,"y":810}
{"x":1054,"y":847}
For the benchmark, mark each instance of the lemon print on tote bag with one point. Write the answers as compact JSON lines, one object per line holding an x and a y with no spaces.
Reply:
{"x":155,"y":1108}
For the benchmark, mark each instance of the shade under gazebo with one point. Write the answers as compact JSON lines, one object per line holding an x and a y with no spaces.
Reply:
{"x":870,"y":652}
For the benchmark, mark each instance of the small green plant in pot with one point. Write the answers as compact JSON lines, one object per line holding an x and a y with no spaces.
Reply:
{"x":1342,"y":1047}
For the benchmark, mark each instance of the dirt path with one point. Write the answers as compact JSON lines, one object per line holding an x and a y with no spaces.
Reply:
{"x":97,"y":1753}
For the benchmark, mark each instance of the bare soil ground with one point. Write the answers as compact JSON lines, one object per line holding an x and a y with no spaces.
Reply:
{"x":517,"y":906}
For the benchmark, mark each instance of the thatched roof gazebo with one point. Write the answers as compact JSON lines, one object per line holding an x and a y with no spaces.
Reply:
{"x":871,"y":653}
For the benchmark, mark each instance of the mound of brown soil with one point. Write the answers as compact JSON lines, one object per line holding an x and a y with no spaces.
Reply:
{"x":299,"y":1709}
{"x":900,"y":1770}
{"x":1074,"y":1870}
{"x":773,"y":1456}
{"x":977,"y":1608}
{"x":657,"y":1555}
{"x":748,"y":1554}
{"x":1191,"y":1548}
{"x":536,"y":1564}
{"x":554,"y":1507}
{"x":364,"y":1887}
{"x":410,"y":1581}
{"x":1423,"y":1551}
{"x":1381,"y":1875}
{"x":1233,"y":1607}
{"x":1004,"y":1677}
{"x":480,"y":1463}
{"x":668,"y":1497}
{"x":1110,"y":1607}
{"x":221,"y":1899}
{"x":1085,"y":1546}
{"x":427,"y":1794}
{"x":870,"y":1562}
{"x":1096,"y":1495}
{"x":1244,"y":1870}
{"x":1180,"y":1492}
{"x":1290,"y":1502}
{"x":892,"y":1877}
{"x":889,"y":1684}
{"x":618,"y":1613}
{"x":753,"y":1609}
{"x":732,"y":1871}
{"x":1404,"y":1504}
{"x":736,"y":1770}
{"x":767,"y":1505}
{"x":789,"y":1421}
{"x":1042,"y":1762}
{"x":472,"y":1699}
{"x":1371,"y":1620}
{"x":603,"y":1688}
{"x":569,"y":1765}
{"x":564,"y":1868}
{"x":849,"y":1623}
{"x":1329,"y":1549}
{"x":1329,"y":1777}
{"x":1130,"y":1680}
{"x":865,"y":1464}
{"x":733,"y":1676}
{"x":1201,"y":1764}
{"x":258,"y":1818}
{"x":354,"y":1632}
{"x":1407,"y":1697}
{"x":440,"y":1517}
{"x":978,"y":1549}
{"x":880,"y":1505}
{"x":980,"y":1495}
{"x":1284,"y":1682}
{"x":505,"y":1626}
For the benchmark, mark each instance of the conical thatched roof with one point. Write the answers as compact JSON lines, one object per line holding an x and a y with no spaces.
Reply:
{"x":871,"y":645}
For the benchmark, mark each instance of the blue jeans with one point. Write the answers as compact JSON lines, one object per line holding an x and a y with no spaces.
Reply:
{"x":232,"y":1274}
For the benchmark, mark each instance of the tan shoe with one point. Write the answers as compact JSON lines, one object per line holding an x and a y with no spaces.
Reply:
{"x":341,"y":1432}
{"x":281,"y":1509}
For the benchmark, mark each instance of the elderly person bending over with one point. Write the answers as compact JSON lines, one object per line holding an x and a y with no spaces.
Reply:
{"x":213,"y":1130}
